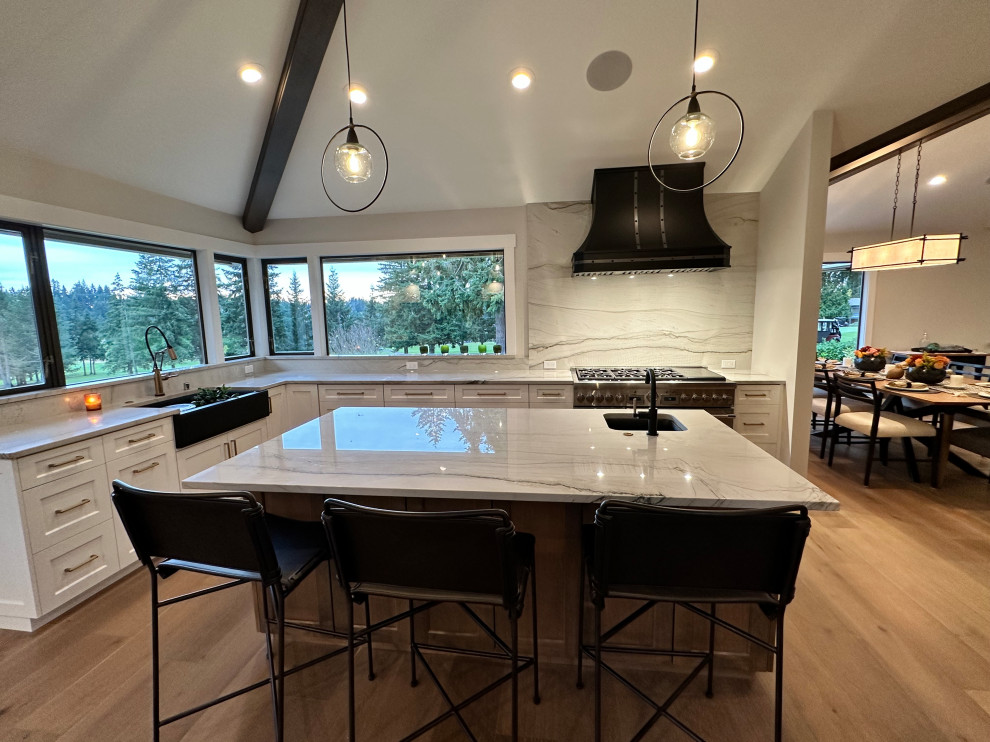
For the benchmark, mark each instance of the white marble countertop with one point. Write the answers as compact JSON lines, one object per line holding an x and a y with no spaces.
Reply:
{"x":514,"y":454}
{"x":266,"y":381}
{"x":28,"y":438}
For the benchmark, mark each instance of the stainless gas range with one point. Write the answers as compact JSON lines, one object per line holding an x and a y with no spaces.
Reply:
{"x":692,"y":387}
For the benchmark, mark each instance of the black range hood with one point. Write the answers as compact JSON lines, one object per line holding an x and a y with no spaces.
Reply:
{"x":638,"y":226}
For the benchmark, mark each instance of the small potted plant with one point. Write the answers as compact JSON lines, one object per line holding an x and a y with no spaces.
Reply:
{"x":926,"y":368}
{"x":482,"y":348}
{"x":444,"y":350}
{"x":497,"y":348}
{"x":464,"y":350}
{"x":424,"y":349}
{"x":869,"y":358}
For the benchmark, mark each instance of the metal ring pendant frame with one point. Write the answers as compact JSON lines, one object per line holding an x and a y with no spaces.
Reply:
{"x":742,"y":129}
{"x":351,"y":125}
{"x":323,"y":164}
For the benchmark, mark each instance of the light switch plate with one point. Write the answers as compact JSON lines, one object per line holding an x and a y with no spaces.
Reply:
{"x":549,"y":364}
{"x":412,"y":365}
{"x":728,"y":364}
{"x":249,"y":369}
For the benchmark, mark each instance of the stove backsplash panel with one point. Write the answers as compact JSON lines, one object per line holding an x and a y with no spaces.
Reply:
{"x":687,"y":319}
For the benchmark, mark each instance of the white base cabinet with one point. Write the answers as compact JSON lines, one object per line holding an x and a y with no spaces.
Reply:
{"x":759,"y":408}
{"x":199,"y":456}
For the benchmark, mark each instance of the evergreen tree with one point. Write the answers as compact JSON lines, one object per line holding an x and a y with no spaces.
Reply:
{"x":233,"y":310}
{"x":339,"y":315}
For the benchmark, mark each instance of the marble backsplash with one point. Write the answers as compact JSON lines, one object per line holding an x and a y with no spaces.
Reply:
{"x":685,"y":319}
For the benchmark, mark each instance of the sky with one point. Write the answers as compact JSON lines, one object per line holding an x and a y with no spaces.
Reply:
{"x":66,"y":264}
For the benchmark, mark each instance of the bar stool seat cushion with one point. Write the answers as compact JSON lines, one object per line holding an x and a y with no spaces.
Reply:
{"x":818,"y":405}
{"x":891,"y":425}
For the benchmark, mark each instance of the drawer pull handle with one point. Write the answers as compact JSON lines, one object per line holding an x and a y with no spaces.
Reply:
{"x":92,"y":558}
{"x":350,"y":394}
{"x":757,"y":424}
{"x":492,"y":394}
{"x":77,"y":459}
{"x":149,"y":467}
{"x":132,"y":441}
{"x":761,"y":394}
{"x":551,"y":394}
{"x":418,"y":394}
{"x":85,"y":501}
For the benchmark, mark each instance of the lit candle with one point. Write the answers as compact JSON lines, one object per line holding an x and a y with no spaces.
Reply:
{"x":93,"y":401}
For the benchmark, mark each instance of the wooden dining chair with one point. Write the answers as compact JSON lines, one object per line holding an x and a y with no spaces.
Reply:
{"x":877,"y":425}
{"x":822,"y":404}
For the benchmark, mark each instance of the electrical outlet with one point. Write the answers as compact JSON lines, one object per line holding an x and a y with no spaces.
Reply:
{"x":249,"y":369}
{"x":549,"y":364}
{"x":412,"y":365}
{"x":185,"y":386}
{"x":728,"y":364}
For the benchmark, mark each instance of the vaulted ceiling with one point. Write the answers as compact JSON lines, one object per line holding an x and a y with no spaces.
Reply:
{"x":144,"y":92}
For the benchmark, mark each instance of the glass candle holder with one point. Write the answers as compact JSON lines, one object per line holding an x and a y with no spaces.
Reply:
{"x":93,"y":401}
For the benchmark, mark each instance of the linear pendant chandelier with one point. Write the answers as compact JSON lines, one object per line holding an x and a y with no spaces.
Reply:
{"x":910,"y":252}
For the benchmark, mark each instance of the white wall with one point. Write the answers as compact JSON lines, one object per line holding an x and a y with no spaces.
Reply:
{"x":788,"y":276}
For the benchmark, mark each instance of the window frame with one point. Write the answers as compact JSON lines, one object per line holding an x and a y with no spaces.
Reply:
{"x":424,"y":254}
{"x":265,"y":262}
{"x":219,"y":258}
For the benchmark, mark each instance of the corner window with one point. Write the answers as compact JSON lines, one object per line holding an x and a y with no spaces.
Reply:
{"x":22,"y":364}
{"x":107,"y":293}
{"x":235,"y":307}
{"x":288,"y":305}
{"x":446,"y":304}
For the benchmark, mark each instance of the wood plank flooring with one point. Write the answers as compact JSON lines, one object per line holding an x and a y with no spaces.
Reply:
{"x":887,"y":639}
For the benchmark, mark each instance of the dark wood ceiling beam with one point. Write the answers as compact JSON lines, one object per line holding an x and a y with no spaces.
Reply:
{"x":940,"y":120}
{"x":315,"y":21}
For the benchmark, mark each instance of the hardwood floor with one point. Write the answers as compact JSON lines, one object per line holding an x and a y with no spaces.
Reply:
{"x":887,"y":639}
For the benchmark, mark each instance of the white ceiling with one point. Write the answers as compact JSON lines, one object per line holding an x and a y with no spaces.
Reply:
{"x":144,"y":92}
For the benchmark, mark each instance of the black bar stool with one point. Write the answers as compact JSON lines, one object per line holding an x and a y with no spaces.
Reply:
{"x":227,"y":535}
{"x":464,"y":557}
{"x":684,"y":556}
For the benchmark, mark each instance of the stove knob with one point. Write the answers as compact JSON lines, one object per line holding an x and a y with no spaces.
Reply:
{"x":579,"y":397}
{"x":608,"y":397}
{"x":704,"y":397}
{"x":620,"y":399}
{"x":684,"y":397}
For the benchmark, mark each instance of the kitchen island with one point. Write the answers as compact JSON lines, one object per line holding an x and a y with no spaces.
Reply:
{"x":546,"y":468}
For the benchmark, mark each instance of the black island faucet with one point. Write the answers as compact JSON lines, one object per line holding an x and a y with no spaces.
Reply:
{"x":651,"y":379}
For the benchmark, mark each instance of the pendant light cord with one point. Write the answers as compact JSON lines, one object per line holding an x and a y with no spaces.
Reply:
{"x":897,"y":187}
{"x":914,"y":203}
{"x":694,"y":57}
{"x":347,"y":54}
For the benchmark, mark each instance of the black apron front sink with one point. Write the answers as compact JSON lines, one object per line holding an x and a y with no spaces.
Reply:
{"x":626,"y":421}
{"x":194,"y":424}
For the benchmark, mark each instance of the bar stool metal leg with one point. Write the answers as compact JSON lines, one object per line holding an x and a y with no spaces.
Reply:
{"x":514,"y":620}
{"x":412,"y":646}
{"x":350,"y":670}
{"x":779,"y":681}
{"x":580,"y":630}
{"x":536,"y":634}
{"x":598,"y":673}
{"x":711,"y":651}
{"x":367,"y":625}
{"x":280,"y":678}
{"x":156,"y":715}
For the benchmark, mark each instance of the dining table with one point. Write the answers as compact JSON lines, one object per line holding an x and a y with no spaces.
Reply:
{"x":945,"y":403}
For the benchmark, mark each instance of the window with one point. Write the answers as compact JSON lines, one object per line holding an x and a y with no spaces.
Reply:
{"x":107,"y":293}
{"x":388,"y":304}
{"x":289,"y":310}
{"x":235,"y":307}
{"x":22,"y":364}
{"x":839,"y":311}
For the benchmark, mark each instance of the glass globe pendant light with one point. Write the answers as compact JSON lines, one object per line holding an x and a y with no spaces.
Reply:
{"x":351,"y":159}
{"x":694,"y":133}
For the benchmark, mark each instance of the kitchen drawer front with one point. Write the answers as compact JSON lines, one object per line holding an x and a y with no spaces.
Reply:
{"x":491,"y":395}
{"x":199,"y":456}
{"x":66,"y":507}
{"x":551,"y":395}
{"x":419,"y":395}
{"x":351,"y":395}
{"x":73,"y":566}
{"x":248,"y":436}
{"x":56,"y":463}
{"x":757,"y":394}
{"x":760,"y":426}
{"x":151,"y":470}
{"x":138,"y":438}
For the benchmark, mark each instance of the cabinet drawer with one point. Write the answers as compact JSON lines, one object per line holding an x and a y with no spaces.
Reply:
{"x":73,"y":566}
{"x":150,"y":470}
{"x":138,"y":438}
{"x":491,"y":395}
{"x":56,"y":463}
{"x":419,"y":395}
{"x":350,"y":395}
{"x":551,"y":395}
{"x":66,"y":507}
{"x":760,"y":426}
{"x":757,"y":394}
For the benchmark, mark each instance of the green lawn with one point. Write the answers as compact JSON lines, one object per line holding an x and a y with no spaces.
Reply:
{"x":849,"y":333}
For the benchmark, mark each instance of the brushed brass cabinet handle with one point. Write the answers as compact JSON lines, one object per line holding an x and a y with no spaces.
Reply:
{"x":757,"y":424}
{"x":226,"y":447}
{"x":77,"y":459}
{"x":85,"y":501}
{"x":149,"y":467}
{"x":761,"y":394}
{"x":148,"y":437}
{"x":350,"y":394}
{"x":551,"y":394}
{"x":492,"y":394}
{"x":92,"y":558}
{"x":418,"y":394}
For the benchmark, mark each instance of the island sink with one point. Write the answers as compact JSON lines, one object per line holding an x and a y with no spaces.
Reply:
{"x":628,"y":421}
{"x":193,"y":424}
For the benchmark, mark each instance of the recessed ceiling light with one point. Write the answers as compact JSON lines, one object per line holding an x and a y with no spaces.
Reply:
{"x":705,"y":60}
{"x":937,"y":180}
{"x":252,"y":74}
{"x":358,"y":95}
{"x":521,"y":78}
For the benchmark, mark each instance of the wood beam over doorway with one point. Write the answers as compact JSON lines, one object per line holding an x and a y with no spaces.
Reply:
{"x":315,"y":21}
